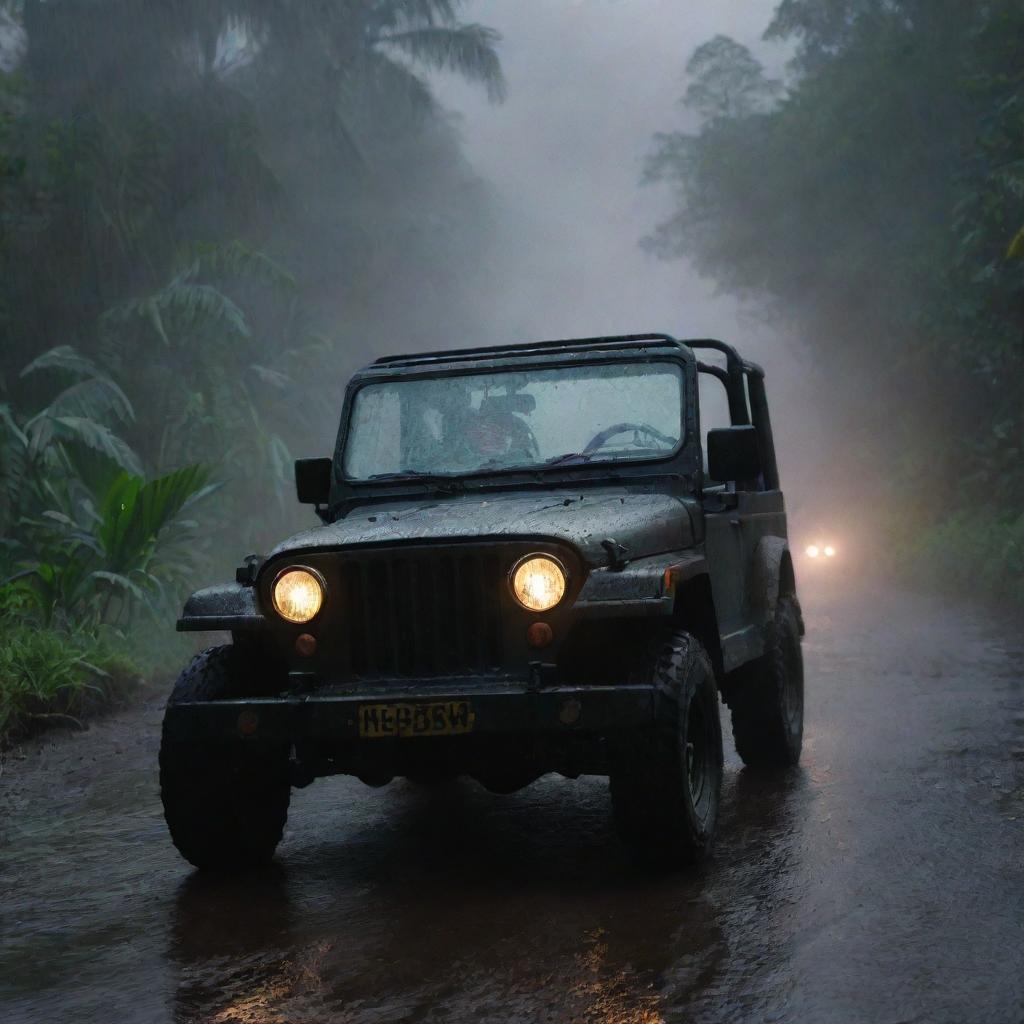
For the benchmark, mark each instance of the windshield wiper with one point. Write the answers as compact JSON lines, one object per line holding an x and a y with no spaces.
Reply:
{"x":558,"y":460}
{"x":443,"y":483}
{"x":400,"y":475}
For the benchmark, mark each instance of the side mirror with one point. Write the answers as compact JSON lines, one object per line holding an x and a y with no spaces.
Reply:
{"x":313,"y":481}
{"x":733,"y":454}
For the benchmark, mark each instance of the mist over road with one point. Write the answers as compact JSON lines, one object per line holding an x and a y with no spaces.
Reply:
{"x":879,"y":882}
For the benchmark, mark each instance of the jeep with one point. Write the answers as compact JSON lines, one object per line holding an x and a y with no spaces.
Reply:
{"x":530,"y":560}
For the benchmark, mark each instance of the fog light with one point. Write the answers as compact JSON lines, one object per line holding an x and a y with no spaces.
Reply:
{"x":305,"y":644}
{"x":539,"y":634}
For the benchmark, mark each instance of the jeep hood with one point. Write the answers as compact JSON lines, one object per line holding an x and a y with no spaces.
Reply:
{"x":645,"y":523}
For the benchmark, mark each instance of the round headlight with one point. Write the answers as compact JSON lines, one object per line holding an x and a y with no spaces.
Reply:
{"x":298,"y":595}
{"x":813,"y":551}
{"x":538,"y":583}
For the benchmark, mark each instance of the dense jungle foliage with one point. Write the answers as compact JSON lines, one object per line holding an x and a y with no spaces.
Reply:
{"x":210,"y":213}
{"x":875,"y":200}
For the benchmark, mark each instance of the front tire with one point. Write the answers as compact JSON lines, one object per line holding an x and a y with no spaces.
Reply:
{"x":666,"y":789}
{"x":225,"y":803}
{"x":767,"y":699}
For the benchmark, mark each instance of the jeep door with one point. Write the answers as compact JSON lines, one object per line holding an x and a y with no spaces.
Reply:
{"x":737,"y":515}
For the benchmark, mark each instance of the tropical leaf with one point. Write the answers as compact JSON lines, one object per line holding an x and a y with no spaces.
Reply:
{"x":120,"y":582}
{"x":58,"y":517}
{"x":10,"y":424}
{"x":133,"y":514}
{"x":397,"y":85}
{"x":39,"y":431}
{"x":94,"y":399}
{"x":272,"y":377}
{"x":412,"y":13}
{"x":63,"y":357}
{"x":150,"y":309}
{"x":191,"y":305}
{"x":99,"y":438}
{"x":94,"y":471}
{"x":467,"y":50}
{"x":237,"y":260}
{"x":1016,"y":249}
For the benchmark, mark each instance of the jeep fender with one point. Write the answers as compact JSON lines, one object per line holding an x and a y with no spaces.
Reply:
{"x":674,"y":585}
{"x":645,"y":586}
{"x":229,"y":606}
{"x":771,"y":577}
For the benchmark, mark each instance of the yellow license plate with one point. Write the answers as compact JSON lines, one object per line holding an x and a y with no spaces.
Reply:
{"x":441,"y":718}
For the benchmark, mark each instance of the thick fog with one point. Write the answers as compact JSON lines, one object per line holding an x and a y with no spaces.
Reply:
{"x":590,"y":83}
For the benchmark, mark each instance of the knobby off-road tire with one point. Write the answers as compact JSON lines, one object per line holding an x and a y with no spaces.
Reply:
{"x":666,"y":788}
{"x":767,"y":701}
{"x":225,"y":803}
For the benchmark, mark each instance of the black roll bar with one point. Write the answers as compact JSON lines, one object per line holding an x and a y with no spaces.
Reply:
{"x":743,"y":379}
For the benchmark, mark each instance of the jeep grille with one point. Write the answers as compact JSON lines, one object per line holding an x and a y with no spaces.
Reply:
{"x":422,"y":613}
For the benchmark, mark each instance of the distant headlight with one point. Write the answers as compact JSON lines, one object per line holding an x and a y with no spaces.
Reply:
{"x":813,"y":551}
{"x":298,"y":594}
{"x":829,"y":551}
{"x":538,"y":583}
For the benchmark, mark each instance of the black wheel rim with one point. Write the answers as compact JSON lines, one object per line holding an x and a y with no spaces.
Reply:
{"x":699,"y":757}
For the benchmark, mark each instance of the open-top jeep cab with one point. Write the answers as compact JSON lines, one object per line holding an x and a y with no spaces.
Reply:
{"x":525,"y":566}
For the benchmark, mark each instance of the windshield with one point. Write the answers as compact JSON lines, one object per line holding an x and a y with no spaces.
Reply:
{"x":492,"y":421}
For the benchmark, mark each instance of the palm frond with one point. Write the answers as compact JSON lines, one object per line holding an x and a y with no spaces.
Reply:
{"x":268,"y":375}
{"x":467,"y":50}
{"x":237,"y":260}
{"x":397,"y":14}
{"x":192,"y":305}
{"x":133,"y":513}
{"x":63,"y":357}
{"x":79,"y":430}
{"x":396,"y":85}
{"x":10,"y":424}
{"x":119,"y":582}
{"x":94,"y":399}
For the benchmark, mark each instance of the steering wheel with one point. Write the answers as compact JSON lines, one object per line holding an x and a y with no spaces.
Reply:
{"x":599,"y":440}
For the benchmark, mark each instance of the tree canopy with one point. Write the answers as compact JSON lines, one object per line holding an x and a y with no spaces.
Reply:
{"x":210,"y":212}
{"x":874,"y":206}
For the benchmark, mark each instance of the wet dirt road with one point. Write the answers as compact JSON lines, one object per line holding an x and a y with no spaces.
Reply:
{"x":881,"y":882}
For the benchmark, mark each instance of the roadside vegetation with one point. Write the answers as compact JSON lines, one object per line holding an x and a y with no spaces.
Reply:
{"x":872,"y":201}
{"x":204,"y":210}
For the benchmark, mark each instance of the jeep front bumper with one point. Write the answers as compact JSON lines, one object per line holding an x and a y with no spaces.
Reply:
{"x":463,"y":707}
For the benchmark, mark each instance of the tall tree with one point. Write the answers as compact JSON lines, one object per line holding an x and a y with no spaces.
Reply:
{"x":873,"y":208}
{"x":219,"y":200}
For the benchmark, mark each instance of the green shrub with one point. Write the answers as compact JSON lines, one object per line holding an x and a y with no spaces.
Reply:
{"x":981,"y":554}
{"x":53,"y":676}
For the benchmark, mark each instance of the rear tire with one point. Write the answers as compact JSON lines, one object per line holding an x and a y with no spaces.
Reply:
{"x":767,"y":698}
{"x":666,"y":788}
{"x":225,"y":803}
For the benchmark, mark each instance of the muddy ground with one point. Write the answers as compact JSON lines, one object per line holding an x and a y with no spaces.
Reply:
{"x":883,"y":881}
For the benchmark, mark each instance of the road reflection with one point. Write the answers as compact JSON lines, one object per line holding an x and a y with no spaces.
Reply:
{"x":453,"y":904}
